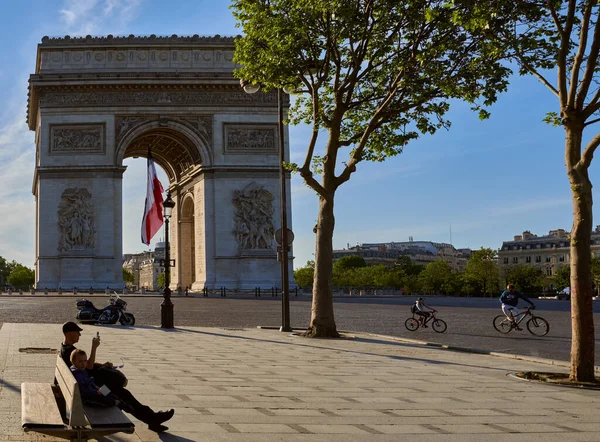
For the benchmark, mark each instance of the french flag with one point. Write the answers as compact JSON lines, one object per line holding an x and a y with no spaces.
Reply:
{"x":153,"y":213}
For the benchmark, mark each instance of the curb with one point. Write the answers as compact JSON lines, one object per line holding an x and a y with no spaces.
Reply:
{"x":479,"y":351}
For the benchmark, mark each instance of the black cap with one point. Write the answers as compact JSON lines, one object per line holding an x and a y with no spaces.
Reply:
{"x":71,"y":327}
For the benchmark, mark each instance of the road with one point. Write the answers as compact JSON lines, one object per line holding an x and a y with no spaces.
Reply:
{"x":469,"y":319}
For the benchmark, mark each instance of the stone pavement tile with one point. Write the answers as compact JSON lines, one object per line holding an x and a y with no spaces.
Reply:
{"x":264,"y":428}
{"x":535,"y":427}
{"x":465,"y":428}
{"x":336,"y":429}
{"x":402,"y":429}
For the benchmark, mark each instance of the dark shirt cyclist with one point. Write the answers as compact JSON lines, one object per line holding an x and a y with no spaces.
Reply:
{"x":510,"y":299}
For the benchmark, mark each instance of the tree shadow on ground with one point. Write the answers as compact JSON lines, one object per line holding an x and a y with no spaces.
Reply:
{"x":339,"y":349}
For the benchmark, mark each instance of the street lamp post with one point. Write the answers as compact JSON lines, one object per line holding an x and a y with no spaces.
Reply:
{"x":284,"y":247}
{"x":166,"y":307}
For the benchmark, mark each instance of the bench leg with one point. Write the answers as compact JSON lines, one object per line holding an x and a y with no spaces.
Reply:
{"x":79,"y":437}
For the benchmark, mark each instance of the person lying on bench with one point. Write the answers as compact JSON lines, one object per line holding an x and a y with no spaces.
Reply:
{"x":153,"y":419}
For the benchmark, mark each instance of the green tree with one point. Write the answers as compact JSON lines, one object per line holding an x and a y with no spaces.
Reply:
{"x":349,"y":262}
{"x":596,"y":272}
{"x":128,"y":276}
{"x":405,"y":264}
{"x":526,"y":279}
{"x":21,"y":277}
{"x":304,"y":275}
{"x":411,"y":284}
{"x":558,"y":42}
{"x":436,"y":277}
{"x":562,"y":278}
{"x":6,"y":268}
{"x":373,"y":75}
{"x":160,"y":281}
{"x":481,"y":274}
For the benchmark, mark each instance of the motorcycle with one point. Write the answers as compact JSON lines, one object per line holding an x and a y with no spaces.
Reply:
{"x":115,"y":311}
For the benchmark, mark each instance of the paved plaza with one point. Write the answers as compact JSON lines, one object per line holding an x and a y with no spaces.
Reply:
{"x":263,"y":385}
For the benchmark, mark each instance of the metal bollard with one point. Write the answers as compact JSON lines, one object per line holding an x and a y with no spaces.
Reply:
{"x":60,"y":290}
{"x":20,"y":291}
{"x":33,"y":290}
{"x":91,"y":290}
{"x":74,"y":290}
{"x":106,"y":290}
{"x":45,"y":290}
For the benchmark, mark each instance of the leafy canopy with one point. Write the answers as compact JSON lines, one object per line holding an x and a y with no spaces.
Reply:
{"x":374,"y":73}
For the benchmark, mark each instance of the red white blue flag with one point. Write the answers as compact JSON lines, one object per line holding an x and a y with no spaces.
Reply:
{"x":153,"y":212}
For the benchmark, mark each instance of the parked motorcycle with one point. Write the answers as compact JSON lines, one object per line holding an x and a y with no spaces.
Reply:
{"x":115,"y":311}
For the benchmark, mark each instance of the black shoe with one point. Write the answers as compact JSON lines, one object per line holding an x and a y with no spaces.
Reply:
{"x":163,"y":416}
{"x":158,"y":428}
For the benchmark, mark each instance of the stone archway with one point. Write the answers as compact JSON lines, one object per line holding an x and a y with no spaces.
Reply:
{"x":94,"y":101}
{"x":187,"y":242}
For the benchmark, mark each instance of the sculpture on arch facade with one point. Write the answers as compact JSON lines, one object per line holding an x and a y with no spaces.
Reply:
{"x":76,"y":219}
{"x":253,"y":217}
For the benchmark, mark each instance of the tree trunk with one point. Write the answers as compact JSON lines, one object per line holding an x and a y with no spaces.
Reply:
{"x":582,"y":319}
{"x":322,"y":321}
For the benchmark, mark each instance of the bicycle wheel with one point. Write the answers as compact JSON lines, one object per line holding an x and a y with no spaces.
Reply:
{"x":538,"y":326}
{"x":502,"y":324}
{"x":412,"y":324}
{"x":439,"y":325}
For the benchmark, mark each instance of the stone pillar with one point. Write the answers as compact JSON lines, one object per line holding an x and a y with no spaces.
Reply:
{"x":79,"y":198}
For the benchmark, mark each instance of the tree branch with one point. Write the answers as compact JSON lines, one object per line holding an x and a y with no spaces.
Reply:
{"x":583,"y":35}
{"x":591,"y":66}
{"x":589,"y":123}
{"x":565,"y":40}
{"x":555,"y":18}
{"x":588,"y":153}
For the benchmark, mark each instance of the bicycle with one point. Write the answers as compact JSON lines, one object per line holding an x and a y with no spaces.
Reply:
{"x":536,"y":325}
{"x":438,"y":325}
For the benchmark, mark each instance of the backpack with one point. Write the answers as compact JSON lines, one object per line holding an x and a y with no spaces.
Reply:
{"x":413,"y":309}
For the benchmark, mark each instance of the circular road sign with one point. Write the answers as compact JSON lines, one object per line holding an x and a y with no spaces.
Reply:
{"x":279,"y":236}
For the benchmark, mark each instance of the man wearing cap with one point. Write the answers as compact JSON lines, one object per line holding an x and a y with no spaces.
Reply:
{"x":142,"y":412}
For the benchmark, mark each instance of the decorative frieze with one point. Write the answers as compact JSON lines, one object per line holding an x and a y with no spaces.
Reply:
{"x":76,"y":220}
{"x":250,"y":138}
{"x":153,"y":98}
{"x":136,"y":58}
{"x":201,"y":125}
{"x":253,"y":217}
{"x":69,"y":139}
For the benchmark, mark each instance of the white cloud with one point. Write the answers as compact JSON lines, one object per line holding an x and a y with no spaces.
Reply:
{"x":82,"y":17}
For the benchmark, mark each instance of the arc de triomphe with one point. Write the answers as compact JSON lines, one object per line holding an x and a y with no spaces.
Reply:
{"x":94,"y":101}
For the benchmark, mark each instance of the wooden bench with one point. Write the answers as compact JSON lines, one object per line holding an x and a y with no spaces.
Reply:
{"x":57,"y":410}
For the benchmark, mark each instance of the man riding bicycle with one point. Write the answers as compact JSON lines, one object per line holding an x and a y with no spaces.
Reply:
{"x":509,"y":299}
{"x":419,"y":309}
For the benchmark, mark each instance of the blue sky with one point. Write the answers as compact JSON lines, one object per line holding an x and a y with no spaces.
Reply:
{"x":486,"y":181}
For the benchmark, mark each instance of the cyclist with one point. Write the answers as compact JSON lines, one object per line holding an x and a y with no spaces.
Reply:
{"x":509,"y":299}
{"x":419,"y":309}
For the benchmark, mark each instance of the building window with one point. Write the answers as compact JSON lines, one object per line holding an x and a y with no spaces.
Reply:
{"x":528,"y":259}
{"x":561,"y":258}
{"x":538,"y":259}
{"x":505,"y":260}
{"x":549,"y":272}
{"x":548,"y":258}
{"x":515,"y":260}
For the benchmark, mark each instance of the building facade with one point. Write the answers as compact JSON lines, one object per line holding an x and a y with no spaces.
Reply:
{"x":548,"y":253}
{"x":419,"y":252}
{"x":146,"y":267}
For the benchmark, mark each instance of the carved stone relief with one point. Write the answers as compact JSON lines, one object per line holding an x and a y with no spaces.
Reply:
{"x":125,"y":124}
{"x":250,"y":138}
{"x":200,"y":125}
{"x":76,"y":220}
{"x":133,"y":97}
{"x":253,"y":217}
{"x":77,"y":138}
